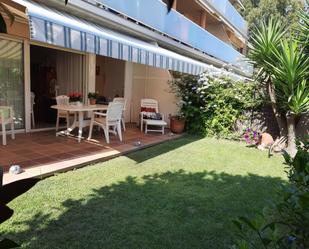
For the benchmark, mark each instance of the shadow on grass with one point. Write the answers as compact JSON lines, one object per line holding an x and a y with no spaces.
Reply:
{"x":169,"y":210}
{"x":7,"y":194}
{"x":165,"y":147}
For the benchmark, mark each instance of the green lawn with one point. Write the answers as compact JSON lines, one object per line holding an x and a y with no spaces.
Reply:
{"x":180,"y":194}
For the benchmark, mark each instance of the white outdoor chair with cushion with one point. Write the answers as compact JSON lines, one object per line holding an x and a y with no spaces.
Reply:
{"x":6,"y":117}
{"x":150,"y":115}
{"x":124,"y":102}
{"x":109,"y":121}
{"x":31,"y":109}
{"x":62,"y":100}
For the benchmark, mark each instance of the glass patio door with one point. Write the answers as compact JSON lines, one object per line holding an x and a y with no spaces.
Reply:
{"x":12,"y":79}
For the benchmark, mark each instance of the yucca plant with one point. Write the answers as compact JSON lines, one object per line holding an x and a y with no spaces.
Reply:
{"x":283,"y":65}
{"x":265,"y":38}
{"x":290,"y":67}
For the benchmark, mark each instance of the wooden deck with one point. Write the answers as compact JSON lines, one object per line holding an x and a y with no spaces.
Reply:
{"x":43,"y":154}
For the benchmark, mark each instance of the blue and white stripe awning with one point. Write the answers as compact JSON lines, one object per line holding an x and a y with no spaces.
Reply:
{"x":61,"y":29}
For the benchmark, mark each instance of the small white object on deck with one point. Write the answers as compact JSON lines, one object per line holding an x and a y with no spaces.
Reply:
{"x":15,"y":169}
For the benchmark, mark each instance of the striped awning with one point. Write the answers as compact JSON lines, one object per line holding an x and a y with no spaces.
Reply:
{"x":61,"y":29}
{"x":10,"y":50}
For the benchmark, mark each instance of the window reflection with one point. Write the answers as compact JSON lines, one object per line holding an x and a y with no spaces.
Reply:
{"x":12,"y":79}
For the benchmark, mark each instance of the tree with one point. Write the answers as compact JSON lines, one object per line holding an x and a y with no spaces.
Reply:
{"x":304,"y":29}
{"x":290,"y":72}
{"x":264,"y":39}
{"x":285,"y":10}
{"x":284,"y":66}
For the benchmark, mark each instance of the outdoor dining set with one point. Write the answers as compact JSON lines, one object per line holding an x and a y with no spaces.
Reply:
{"x":110,"y":116}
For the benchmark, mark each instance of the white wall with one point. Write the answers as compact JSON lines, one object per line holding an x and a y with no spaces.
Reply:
{"x":128,"y":87}
{"x":110,"y":80}
{"x":150,"y":82}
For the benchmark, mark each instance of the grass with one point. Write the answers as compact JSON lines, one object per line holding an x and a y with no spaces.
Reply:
{"x":180,"y":194}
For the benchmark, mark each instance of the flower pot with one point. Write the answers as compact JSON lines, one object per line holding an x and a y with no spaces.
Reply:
{"x":177,"y":125}
{"x":92,"y":101}
{"x":78,"y":103}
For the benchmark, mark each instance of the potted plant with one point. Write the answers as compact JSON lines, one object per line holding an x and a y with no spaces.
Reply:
{"x":177,"y":123}
{"x":76,"y":98}
{"x":252,"y":136}
{"x":92,"y":96}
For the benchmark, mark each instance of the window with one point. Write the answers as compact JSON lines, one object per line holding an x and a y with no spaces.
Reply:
{"x":12,"y":79}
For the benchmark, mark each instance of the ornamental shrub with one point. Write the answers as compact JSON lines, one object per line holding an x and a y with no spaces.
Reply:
{"x":212,"y":103}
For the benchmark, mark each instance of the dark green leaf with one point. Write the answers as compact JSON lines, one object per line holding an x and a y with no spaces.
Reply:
{"x":251,"y":223}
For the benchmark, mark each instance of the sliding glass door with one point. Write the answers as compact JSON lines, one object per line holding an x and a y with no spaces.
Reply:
{"x":53,"y":73}
{"x":12,"y":79}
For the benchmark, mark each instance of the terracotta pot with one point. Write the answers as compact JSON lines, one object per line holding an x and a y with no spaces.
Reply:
{"x":92,"y":101}
{"x":177,"y":125}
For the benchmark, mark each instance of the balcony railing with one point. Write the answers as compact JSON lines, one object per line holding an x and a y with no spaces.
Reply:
{"x":229,"y":13}
{"x":153,"y":13}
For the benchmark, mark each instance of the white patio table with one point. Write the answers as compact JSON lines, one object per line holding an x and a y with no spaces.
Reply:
{"x":80,"y":123}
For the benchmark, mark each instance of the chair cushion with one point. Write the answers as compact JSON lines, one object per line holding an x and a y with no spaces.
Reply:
{"x":152,"y":115}
{"x":148,"y":109}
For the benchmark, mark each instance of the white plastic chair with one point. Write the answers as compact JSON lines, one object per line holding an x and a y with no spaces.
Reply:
{"x":110,"y":122}
{"x":62,"y":100}
{"x":6,"y":117}
{"x":124,"y":102}
{"x":151,"y":103}
{"x":32,"y":109}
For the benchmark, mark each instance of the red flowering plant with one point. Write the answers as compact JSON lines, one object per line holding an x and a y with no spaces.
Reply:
{"x":252,"y":136}
{"x":75,"y":96}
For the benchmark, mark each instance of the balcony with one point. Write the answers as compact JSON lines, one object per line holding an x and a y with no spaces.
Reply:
{"x":227,"y":11}
{"x":153,"y":14}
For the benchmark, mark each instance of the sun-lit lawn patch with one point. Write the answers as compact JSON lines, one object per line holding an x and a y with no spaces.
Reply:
{"x":180,"y":194}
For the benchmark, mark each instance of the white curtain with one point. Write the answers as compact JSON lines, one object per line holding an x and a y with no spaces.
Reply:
{"x":11,"y":79}
{"x":69,"y":72}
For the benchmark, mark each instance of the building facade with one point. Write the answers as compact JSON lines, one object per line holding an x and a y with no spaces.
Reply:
{"x":113,"y":47}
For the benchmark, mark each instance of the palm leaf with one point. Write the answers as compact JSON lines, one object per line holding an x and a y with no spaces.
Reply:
{"x":290,"y":67}
{"x":265,"y":37}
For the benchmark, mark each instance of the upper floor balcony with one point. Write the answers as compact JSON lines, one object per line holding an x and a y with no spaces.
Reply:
{"x":153,"y":14}
{"x":228,"y":13}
